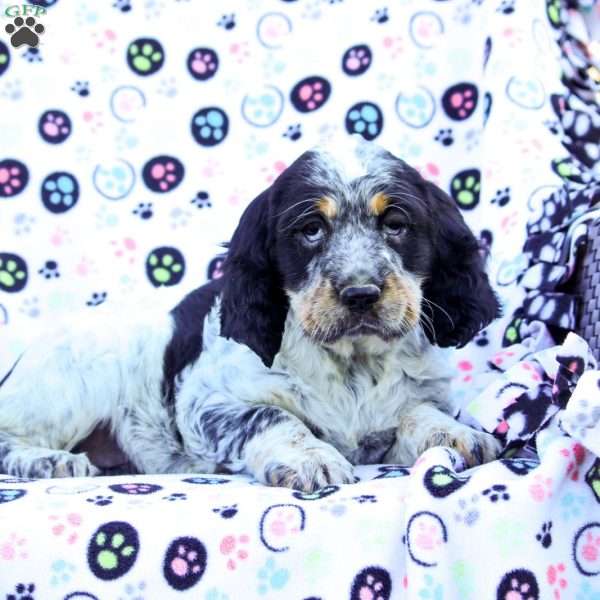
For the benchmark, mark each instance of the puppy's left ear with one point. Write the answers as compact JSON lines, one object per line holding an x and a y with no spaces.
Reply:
{"x":253,"y":303}
{"x":462,"y":301}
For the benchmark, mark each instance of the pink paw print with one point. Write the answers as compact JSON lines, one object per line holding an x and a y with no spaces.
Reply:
{"x":541,"y":489}
{"x":590,"y":550}
{"x":59,"y":236}
{"x":428,"y":536}
{"x":555,"y":577}
{"x":460,"y":100}
{"x":395,"y":45}
{"x":230,"y":547}
{"x":67,"y":526}
{"x":13,"y":177}
{"x":310,"y":94}
{"x":106,"y":39}
{"x":466,"y":367}
{"x":94,"y":120}
{"x":14,"y":547}
{"x":125,"y":249}
{"x":54,"y":126}
{"x":284,"y":523}
{"x":576,"y":456}
{"x":509,"y":222}
{"x":240,"y":50}
{"x":356,"y":60}
{"x":163,"y":173}
{"x":203,"y":63}
{"x":273,"y":172}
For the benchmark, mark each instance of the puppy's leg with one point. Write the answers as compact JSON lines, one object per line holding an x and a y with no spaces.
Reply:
{"x":20,"y":460}
{"x":424,"y":426}
{"x":266,"y":441}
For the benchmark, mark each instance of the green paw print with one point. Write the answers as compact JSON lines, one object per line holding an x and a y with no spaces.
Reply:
{"x":113,"y":550}
{"x":553,"y":10}
{"x":270,"y":577}
{"x":592,"y":478}
{"x":145,"y":56}
{"x":465,"y":187}
{"x":511,"y":334}
{"x":441,"y":482}
{"x":165,"y":266}
{"x":13,"y":272}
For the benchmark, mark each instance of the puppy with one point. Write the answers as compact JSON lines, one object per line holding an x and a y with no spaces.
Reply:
{"x":323,"y":345}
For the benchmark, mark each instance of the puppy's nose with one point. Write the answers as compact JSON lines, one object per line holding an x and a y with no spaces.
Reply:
{"x":360,"y":297}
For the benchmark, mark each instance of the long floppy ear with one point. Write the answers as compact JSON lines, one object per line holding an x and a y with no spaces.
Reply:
{"x":253,"y":303}
{"x":462,"y":301}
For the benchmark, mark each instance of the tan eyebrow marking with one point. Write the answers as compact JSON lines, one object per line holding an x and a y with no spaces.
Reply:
{"x":379,"y":202}
{"x":327,"y":206}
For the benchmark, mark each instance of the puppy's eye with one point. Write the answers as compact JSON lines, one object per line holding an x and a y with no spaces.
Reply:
{"x":394,"y":223}
{"x":313,"y":232}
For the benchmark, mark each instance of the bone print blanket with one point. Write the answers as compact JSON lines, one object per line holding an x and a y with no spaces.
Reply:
{"x":524,"y":528}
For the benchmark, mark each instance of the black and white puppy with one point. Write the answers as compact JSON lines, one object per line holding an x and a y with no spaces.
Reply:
{"x":323,"y":345}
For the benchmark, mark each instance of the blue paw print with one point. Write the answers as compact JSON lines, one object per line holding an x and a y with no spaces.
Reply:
{"x":587,"y":592}
{"x":272,"y":578}
{"x":61,"y":572}
{"x":262,"y":109}
{"x":60,"y":192}
{"x":416,"y":107}
{"x":366,"y":119}
{"x":210,"y":126}
{"x":571,"y":506}
{"x":114,"y":180}
{"x":10,"y":495}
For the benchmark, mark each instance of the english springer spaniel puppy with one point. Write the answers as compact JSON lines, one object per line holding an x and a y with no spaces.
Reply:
{"x":323,"y":345}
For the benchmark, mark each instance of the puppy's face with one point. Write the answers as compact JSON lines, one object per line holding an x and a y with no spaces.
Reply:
{"x":353,"y":244}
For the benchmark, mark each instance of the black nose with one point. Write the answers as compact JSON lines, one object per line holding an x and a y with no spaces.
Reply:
{"x":360,"y":297}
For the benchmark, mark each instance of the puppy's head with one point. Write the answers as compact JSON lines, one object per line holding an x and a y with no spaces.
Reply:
{"x":356,"y":243}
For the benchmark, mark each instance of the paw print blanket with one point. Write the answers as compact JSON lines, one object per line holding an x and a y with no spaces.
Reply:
{"x":121,"y":124}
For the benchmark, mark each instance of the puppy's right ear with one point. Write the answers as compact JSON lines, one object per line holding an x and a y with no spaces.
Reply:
{"x":253,"y":303}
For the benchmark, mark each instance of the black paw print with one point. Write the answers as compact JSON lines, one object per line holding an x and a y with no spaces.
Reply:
{"x":365,"y":498}
{"x":201,"y":200}
{"x":481,"y":339}
{"x":545,"y":535}
{"x":497,"y":492}
{"x":227,"y":22}
{"x":122,"y":5}
{"x":23,"y":591}
{"x":143,"y":210}
{"x":24,"y":32}
{"x":506,"y":7}
{"x":32,"y":55}
{"x":227,"y":512}
{"x":81,"y":88}
{"x":502,"y":197}
{"x":50,"y":270}
{"x":97,"y":298}
{"x":444,"y":137}
{"x":381,"y":15}
{"x":293,"y":132}
{"x":174,"y":497}
{"x":100,"y":500}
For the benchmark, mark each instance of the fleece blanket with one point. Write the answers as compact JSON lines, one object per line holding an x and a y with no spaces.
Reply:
{"x":115,"y":183}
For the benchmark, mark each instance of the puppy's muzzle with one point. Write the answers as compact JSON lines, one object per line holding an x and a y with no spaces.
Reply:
{"x":359,"y":298}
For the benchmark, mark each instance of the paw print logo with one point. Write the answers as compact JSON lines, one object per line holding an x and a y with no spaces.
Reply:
{"x":175,"y":497}
{"x":201,"y":200}
{"x":49,"y":270}
{"x":203,"y":63}
{"x":555,"y":575}
{"x":54,"y":126}
{"x":373,"y":582}
{"x":526,"y":93}
{"x":163,"y":173}
{"x":96,"y":299}
{"x":227,"y":22}
{"x":444,"y":137}
{"x":226,"y":512}
{"x":468,"y":512}
{"x":66,"y":525}
{"x":23,"y":591}
{"x":113,"y":550}
{"x":270,"y":577}
{"x":60,"y":192}
{"x":135,"y":489}
{"x":33,"y":55}
{"x":8,"y":495}
{"x":215,"y":268}
{"x":366,"y":119}
{"x":13,"y":272}
{"x":100,"y":500}
{"x":280,"y":524}
{"x":233,"y":548}
{"x":114,"y":179}
{"x":144,"y":210}
{"x":416,"y":107}
{"x":14,"y":177}
{"x":544,"y":537}
{"x":62,"y":571}
{"x":425,"y":535}
{"x":122,"y":5}
{"x":310,"y":93}
{"x":14,"y":547}
{"x":210,"y":126}
{"x":293,"y":132}
{"x":165,"y":266}
{"x":381,"y":15}
{"x":145,"y":56}
{"x":24,"y":32}
{"x":263,"y":107}
{"x":460,"y":101}
{"x":586,"y":549}
{"x":184,"y":563}
{"x":81,"y":88}
{"x":497,"y":492}
{"x":519,"y":584}
{"x":357,"y":60}
{"x":501,"y":197}
{"x":465,"y":187}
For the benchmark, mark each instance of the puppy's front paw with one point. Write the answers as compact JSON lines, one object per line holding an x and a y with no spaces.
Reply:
{"x":55,"y":464}
{"x":308,"y":468}
{"x":476,"y":447}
